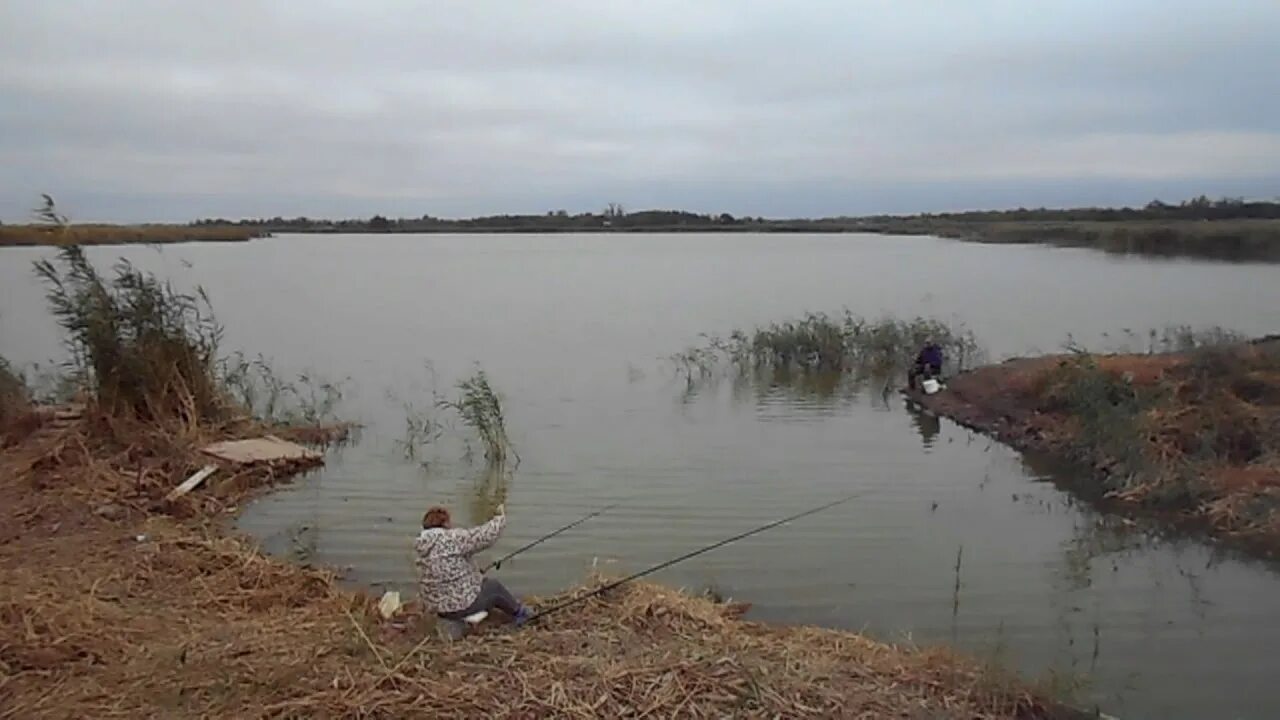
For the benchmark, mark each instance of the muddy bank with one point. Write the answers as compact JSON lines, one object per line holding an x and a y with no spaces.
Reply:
{"x":1190,"y":438}
{"x":118,"y":603}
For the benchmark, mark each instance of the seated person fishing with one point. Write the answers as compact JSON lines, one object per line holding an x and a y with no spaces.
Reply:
{"x":928,"y":364}
{"x":450,"y":582}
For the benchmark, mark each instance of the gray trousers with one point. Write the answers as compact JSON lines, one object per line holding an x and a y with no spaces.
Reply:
{"x":493,"y":594}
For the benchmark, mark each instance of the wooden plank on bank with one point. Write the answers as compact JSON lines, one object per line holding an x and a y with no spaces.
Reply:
{"x":266,"y":449}
{"x":190,"y":483}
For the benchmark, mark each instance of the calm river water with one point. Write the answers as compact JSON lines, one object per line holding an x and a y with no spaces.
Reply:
{"x":573,"y":331}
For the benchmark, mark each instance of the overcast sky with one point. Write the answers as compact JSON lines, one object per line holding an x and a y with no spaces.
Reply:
{"x":133,"y":110}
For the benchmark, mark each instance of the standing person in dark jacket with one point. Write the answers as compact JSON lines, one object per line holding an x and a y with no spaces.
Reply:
{"x":928,"y":364}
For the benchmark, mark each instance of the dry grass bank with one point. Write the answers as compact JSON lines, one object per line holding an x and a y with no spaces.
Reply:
{"x":1194,"y":433}
{"x":119,"y":604}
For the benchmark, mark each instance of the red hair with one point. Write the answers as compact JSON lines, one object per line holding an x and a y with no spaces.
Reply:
{"x":435,"y":517}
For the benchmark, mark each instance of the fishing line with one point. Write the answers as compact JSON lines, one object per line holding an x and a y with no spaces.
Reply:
{"x":668,"y":563}
{"x":497,"y":564}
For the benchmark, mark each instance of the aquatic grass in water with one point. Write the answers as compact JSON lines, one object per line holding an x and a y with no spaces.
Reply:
{"x":422,"y":426}
{"x":253,"y":384}
{"x":420,"y":430}
{"x":822,"y":343}
{"x":477,"y":406}
{"x":481,"y":409}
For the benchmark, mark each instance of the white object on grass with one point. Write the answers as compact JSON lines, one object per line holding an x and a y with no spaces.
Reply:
{"x":389,"y":605}
{"x":930,"y":386}
{"x":450,"y":629}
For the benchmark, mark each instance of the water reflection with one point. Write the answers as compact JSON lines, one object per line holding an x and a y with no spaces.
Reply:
{"x":799,"y":388}
{"x":1096,"y":537}
{"x":488,"y":490}
{"x":927,"y":423}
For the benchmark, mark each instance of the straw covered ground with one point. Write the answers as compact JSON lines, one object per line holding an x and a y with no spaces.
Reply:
{"x":118,"y":604}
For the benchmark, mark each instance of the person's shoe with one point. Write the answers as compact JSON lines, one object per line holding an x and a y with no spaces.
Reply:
{"x":523,"y":615}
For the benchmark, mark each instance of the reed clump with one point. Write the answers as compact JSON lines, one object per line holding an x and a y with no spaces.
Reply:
{"x":143,"y":349}
{"x":845,"y":344}
{"x":480,"y":408}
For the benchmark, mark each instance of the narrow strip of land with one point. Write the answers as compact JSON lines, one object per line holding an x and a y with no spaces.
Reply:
{"x":1193,"y":436}
{"x":1226,"y":229}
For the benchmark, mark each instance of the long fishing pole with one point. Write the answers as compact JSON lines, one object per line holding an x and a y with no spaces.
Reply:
{"x":605,"y":588}
{"x":498,"y":563}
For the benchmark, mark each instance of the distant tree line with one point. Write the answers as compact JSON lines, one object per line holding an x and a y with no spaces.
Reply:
{"x":1200,"y":208}
{"x":616,"y":218}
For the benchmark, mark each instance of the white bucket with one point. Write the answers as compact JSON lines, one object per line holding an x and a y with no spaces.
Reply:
{"x":930,"y":386}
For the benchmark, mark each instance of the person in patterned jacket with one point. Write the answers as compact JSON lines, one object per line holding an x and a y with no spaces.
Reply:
{"x":450,"y":582}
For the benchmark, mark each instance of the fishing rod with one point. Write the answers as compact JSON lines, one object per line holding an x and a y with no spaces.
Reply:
{"x":605,"y":588}
{"x":496,"y":564}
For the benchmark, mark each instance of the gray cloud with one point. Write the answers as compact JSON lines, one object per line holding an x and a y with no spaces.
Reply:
{"x":161,"y":110}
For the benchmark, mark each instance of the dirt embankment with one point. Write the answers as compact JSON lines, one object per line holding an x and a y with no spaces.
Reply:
{"x":118,"y":603}
{"x":1192,"y":435}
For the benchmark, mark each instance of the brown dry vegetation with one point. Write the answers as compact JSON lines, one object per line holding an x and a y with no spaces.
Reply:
{"x":119,"y":604}
{"x":13,"y":235}
{"x":1196,"y":433}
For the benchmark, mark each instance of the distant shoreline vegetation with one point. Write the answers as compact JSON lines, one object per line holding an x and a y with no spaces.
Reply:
{"x":102,"y":234}
{"x":1225,"y":229}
